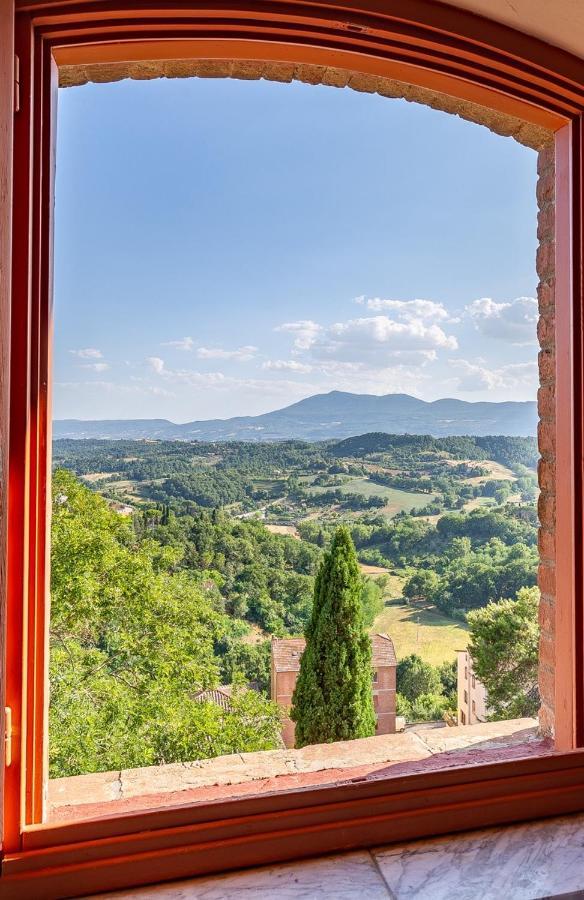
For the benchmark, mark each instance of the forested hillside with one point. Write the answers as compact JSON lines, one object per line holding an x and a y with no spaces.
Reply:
{"x":135,"y":636}
{"x":262,"y":577}
{"x":290,"y":481}
{"x":173,"y":563}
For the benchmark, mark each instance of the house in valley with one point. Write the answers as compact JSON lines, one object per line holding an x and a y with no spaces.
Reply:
{"x":285,"y":666}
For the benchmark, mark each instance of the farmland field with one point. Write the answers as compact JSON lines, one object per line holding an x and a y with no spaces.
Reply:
{"x":421,"y":630}
{"x":284,"y":529}
{"x":396,"y":500}
{"x":404,"y":500}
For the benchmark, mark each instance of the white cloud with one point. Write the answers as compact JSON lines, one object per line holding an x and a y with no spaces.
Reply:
{"x":156,"y":364}
{"x":242,"y":354}
{"x":185,"y":343}
{"x":371,"y":340}
{"x":403,"y":376}
{"x":184,"y":376}
{"x":196,"y":379}
{"x":360,"y":378}
{"x":290,"y":365}
{"x":218,"y":381}
{"x":305,"y":331}
{"x":113,"y":387}
{"x":408,"y":309}
{"x":383,"y":330}
{"x":95,"y":367}
{"x":478,"y":377}
{"x":87,"y":353}
{"x":378,"y":339}
{"x":515,"y":321}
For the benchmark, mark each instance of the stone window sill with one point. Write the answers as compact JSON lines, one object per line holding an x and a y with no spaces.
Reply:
{"x":422,"y":748}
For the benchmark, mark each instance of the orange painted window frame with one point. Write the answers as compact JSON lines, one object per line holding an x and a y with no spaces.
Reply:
{"x":421,"y":42}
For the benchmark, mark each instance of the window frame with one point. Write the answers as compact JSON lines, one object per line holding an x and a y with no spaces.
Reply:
{"x":429,"y":45}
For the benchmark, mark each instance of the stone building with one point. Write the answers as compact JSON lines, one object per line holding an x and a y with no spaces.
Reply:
{"x":286,"y":655}
{"x":472,"y":694}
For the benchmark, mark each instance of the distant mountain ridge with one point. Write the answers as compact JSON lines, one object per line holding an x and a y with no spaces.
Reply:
{"x":335,"y":415}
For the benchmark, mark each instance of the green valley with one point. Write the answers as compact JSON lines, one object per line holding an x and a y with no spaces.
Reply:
{"x":174,"y":562}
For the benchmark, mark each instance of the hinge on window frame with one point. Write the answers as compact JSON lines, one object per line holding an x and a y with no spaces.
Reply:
{"x":16,"y":84}
{"x":7,"y":735}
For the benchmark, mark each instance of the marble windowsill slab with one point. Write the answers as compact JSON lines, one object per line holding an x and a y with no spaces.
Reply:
{"x":530,"y":861}
{"x":520,"y":862}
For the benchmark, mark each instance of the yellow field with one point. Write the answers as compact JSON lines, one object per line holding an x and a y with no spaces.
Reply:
{"x":290,"y":530}
{"x":421,"y":630}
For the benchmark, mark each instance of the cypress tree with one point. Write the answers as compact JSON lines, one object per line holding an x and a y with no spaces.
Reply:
{"x":333,"y":698}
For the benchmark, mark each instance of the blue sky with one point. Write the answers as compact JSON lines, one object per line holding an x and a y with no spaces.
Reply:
{"x":229,"y":247}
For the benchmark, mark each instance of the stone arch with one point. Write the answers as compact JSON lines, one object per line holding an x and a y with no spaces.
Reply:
{"x":533,"y":136}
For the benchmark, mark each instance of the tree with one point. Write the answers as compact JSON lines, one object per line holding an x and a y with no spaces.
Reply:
{"x":431,"y":707}
{"x":132,"y":642}
{"x":448,"y":677}
{"x":248,"y":661}
{"x":416,"y":677}
{"x":460,"y":548}
{"x":403,"y":707}
{"x":502,"y":493}
{"x":371,"y":600}
{"x":504,"y":640}
{"x":421,"y":586}
{"x":492,"y":572}
{"x":333,"y":698}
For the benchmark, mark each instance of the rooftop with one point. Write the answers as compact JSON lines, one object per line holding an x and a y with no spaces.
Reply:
{"x":286,"y":652}
{"x":221,"y":696}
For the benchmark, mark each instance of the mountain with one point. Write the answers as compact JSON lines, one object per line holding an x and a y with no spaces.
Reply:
{"x":334,"y":415}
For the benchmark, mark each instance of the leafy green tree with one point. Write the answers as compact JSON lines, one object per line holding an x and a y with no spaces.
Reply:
{"x":422,"y":585}
{"x":459,"y":548}
{"x":431,"y":707}
{"x":504,"y":640}
{"x":371,"y":601}
{"x":333,"y":698}
{"x":491,"y":572}
{"x":527,"y":486}
{"x":207,"y":730}
{"x":250,"y":662}
{"x":416,"y":677}
{"x":447,"y":672}
{"x":491,"y":487}
{"x":132,"y":642}
{"x":502,"y":493}
{"x":403,"y":707}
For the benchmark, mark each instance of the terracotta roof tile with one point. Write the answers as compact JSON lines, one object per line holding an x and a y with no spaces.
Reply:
{"x":221,"y":696}
{"x":286,"y":652}
{"x":383,"y":650}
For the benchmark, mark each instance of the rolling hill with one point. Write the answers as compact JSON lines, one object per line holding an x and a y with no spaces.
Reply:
{"x":335,"y":415}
